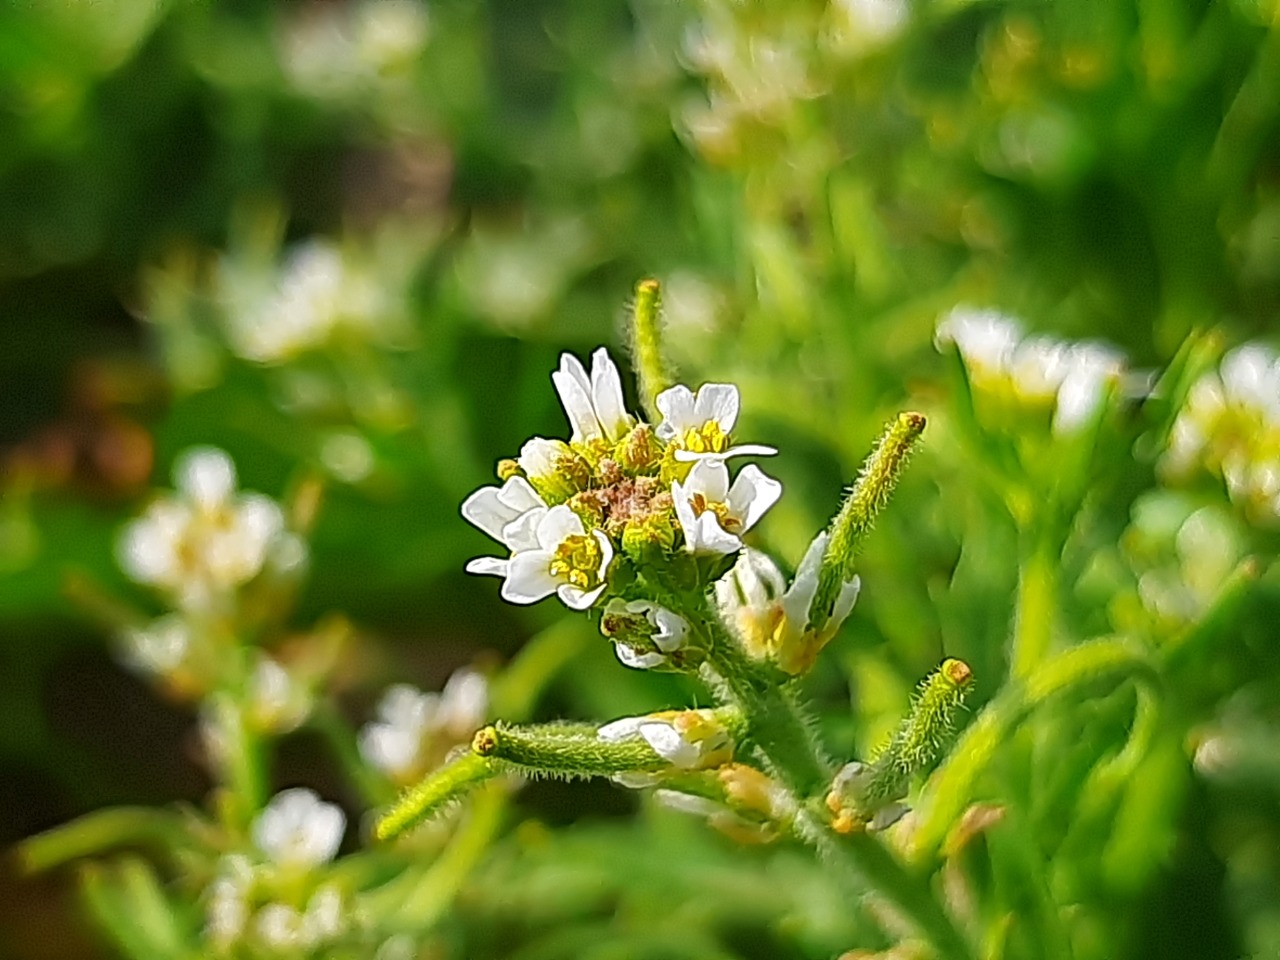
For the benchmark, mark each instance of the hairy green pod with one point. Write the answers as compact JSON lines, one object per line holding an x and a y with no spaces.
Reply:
{"x":866,"y":498}
{"x":435,"y":793}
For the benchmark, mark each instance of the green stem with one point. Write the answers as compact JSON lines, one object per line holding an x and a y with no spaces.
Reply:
{"x":1035,"y":604}
{"x":1106,"y":661}
{"x":432,"y":893}
{"x":771,"y":716}
{"x":791,"y":752}
{"x":326,"y":719}
{"x":872,"y":868}
{"x":103,"y":830}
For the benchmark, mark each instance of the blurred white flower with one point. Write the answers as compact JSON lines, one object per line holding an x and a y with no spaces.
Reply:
{"x":227,"y":906}
{"x":275,"y":701}
{"x":1070,"y":377}
{"x":563,"y":558}
{"x":159,"y":648}
{"x":207,"y":540}
{"x":414,"y":730}
{"x":712,"y":513}
{"x":1230,"y":426}
{"x":343,"y":51}
{"x":860,"y":25}
{"x":298,"y":829}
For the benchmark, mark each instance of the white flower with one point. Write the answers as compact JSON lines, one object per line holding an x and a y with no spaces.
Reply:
{"x":160,"y":647}
{"x":276,"y":702}
{"x":774,"y":623}
{"x":1039,"y":369}
{"x":687,"y":739}
{"x":712,"y":513}
{"x":593,"y":404}
{"x":390,"y":32}
{"x":986,"y":339}
{"x":299,"y":829}
{"x":565,"y":559}
{"x":408,"y":719}
{"x":699,"y":425}
{"x":280,"y":927}
{"x":227,"y":910}
{"x":205,"y":541}
{"x":665,"y":633}
{"x":510,"y":515}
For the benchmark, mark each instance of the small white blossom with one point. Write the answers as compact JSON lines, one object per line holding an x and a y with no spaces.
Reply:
{"x":510,"y":514}
{"x":712,"y":513}
{"x":772,"y":620}
{"x":227,"y":907}
{"x":159,"y":648}
{"x":299,"y":829}
{"x":687,"y":739}
{"x":276,"y":702}
{"x":667,"y":633}
{"x":594,"y":404}
{"x":411,"y":723}
{"x":699,"y":425}
{"x":565,"y":559}
{"x":1230,"y":425}
{"x":206,"y":540}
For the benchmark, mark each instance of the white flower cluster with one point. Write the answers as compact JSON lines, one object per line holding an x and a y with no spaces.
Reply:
{"x":318,"y":294}
{"x":619,"y":489}
{"x":201,"y":544}
{"x":343,"y":51}
{"x":274,"y":900}
{"x":1070,"y":379}
{"x":1230,"y":426}
{"x":414,"y":731}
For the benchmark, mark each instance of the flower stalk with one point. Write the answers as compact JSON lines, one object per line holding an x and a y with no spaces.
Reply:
{"x":646,"y":343}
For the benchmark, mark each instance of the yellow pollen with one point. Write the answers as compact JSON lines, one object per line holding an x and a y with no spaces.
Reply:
{"x":708,"y":438}
{"x":577,"y":561}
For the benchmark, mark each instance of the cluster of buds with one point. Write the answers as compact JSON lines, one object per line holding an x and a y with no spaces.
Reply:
{"x":1230,"y":426}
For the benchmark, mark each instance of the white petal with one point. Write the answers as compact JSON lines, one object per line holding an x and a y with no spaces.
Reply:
{"x":676,"y":406}
{"x":668,"y":744}
{"x":574,"y":389}
{"x":485,"y":510}
{"x":488,"y":566}
{"x":557,"y":525}
{"x":1079,"y":397}
{"x":621,"y":729}
{"x":638,"y":661}
{"x":538,"y":456}
{"x":845,"y":600}
{"x":710,"y":537}
{"x":522,"y":533}
{"x":606,"y":554}
{"x":392,"y":750}
{"x":753,"y":492}
{"x":709,"y":478}
{"x":671,"y":629}
{"x":529,"y":577}
{"x":492,"y":508}
{"x":575,"y":598}
{"x":606,"y":396}
{"x":798,"y":600}
{"x":464,"y":701}
{"x":740,"y":450}
{"x":718,"y":402}
{"x":206,"y":475}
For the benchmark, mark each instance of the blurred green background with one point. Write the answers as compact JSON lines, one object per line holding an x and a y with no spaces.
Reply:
{"x":814,"y":184}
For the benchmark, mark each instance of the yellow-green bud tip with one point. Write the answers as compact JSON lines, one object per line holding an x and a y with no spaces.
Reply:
{"x":485,"y":742}
{"x":508,"y":468}
{"x":914,"y":422}
{"x":958,"y":672}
